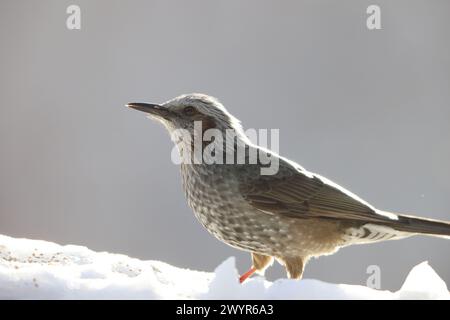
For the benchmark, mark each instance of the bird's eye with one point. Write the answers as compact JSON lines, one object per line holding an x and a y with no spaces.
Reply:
{"x":189,"y":111}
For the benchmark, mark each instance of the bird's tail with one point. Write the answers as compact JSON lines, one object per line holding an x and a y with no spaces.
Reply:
{"x":424,"y":226}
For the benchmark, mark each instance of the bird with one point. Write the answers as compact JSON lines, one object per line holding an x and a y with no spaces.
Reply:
{"x":290,"y":215}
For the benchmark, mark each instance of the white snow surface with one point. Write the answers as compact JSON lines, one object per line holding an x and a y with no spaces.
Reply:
{"x":35,"y":269}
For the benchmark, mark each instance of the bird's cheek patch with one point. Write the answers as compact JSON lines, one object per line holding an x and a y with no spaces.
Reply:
{"x":206,"y":122}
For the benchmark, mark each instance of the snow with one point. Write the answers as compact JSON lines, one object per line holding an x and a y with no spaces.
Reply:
{"x":35,"y":269}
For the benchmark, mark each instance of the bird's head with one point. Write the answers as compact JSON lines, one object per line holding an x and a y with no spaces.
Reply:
{"x":184,"y":111}
{"x":192,"y":116}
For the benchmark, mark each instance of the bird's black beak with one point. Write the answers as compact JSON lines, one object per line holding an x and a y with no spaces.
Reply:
{"x":150,"y":108}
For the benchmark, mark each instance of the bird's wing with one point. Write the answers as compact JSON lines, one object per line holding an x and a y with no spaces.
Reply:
{"x":294,"y":192}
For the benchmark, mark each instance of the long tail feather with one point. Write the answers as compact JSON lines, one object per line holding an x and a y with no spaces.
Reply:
{"x":421,"y":225}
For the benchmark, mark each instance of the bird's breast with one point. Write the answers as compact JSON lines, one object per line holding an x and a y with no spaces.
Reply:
{"x":210,"y":190}
{"x":214,"y":196}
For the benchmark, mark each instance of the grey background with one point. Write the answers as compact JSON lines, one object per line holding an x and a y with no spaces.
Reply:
{"x":368,"y":109}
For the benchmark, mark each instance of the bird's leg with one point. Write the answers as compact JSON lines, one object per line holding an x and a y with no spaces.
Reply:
{"x":294,"y":267}
{"x":247,"y":274}
{"x":259,"y":264}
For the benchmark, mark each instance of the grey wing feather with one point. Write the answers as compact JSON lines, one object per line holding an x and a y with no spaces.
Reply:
{"x":297,"y":193}
{"x":294,"y":192}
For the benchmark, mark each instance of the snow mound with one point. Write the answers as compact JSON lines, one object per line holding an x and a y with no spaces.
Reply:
{"x":35,"y":269}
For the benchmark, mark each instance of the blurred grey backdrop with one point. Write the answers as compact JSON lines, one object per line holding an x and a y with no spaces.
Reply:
{"x":368,"y":109}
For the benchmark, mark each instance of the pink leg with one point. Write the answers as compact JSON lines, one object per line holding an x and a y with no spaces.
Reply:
{"x":247,"y":274}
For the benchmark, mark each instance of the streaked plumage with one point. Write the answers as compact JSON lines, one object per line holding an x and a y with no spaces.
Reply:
{"x":290,"y":216}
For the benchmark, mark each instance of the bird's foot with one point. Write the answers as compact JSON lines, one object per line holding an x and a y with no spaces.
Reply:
{"x":247,"y":274}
